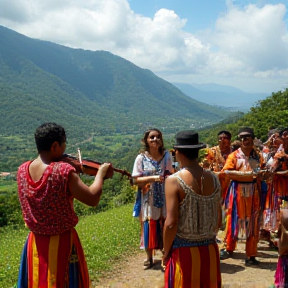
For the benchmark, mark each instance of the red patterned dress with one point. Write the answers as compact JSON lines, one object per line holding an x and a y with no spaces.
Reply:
{"x":52,"y":256}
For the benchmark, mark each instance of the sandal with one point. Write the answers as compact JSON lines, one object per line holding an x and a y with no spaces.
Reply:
{"x":148,"y":262}
{"x":252,"y":261}
{"x":224,"y":254}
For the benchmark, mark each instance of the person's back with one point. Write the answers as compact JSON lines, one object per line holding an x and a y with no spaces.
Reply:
{"x":193,"y":198}
{"x":47,"y":204}
{"x":198,"y":213}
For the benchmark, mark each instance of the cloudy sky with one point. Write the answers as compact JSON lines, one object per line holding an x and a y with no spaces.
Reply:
{"x":238,"y":43}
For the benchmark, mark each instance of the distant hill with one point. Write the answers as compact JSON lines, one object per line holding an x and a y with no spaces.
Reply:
{"x":269,"y":113}
{"x":87,"y":92}
{"x":221,"y":95}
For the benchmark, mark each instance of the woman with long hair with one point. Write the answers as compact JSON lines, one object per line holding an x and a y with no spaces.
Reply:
{"x":149,"y":171}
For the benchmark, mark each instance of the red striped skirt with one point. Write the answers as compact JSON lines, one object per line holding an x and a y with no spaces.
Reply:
{"x":54,"y":261}
{"x":153,"y":234}
{"x":194,"y":267}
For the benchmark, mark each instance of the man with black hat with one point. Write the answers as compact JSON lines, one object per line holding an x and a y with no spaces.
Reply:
{"x":193,"y":201}
{"x":217,"y":155}
{"x":242,"y":199}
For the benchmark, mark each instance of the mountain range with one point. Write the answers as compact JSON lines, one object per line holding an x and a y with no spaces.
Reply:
{"x":88,"y":92}
{"x":221,"y":95}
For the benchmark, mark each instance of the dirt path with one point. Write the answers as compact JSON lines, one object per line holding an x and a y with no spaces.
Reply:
{"x":131,"y":273}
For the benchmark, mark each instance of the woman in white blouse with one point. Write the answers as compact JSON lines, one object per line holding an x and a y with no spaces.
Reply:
{"x":150,"y":169}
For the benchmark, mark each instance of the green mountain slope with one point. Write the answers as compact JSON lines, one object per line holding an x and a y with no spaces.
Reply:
{"x":87,"y":92}
{"x":269,"y":113}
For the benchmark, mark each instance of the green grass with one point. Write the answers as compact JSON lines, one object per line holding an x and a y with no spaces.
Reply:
{"x":8,"y":186}
{"x":106,"y":237}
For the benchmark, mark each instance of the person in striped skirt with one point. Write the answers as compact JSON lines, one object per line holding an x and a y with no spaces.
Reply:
{"x":193,"y":203}
{"x":52,"y":255}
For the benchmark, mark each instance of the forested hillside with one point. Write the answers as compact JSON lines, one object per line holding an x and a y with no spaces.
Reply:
{"x":268,"y":113}
{"x":87,"y":92}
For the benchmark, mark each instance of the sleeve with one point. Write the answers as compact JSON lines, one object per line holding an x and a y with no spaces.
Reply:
{"x":169,"y":166}
{"x":138,"y":167}
{"x":230,"y":163}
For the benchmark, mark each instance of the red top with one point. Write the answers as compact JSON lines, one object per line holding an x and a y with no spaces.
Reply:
{"x":47,"y":204}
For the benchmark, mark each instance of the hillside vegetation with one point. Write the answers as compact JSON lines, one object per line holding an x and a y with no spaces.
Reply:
{"x":121,"y":150}
{"x":269,"y":113}
{"x":88,"y":92}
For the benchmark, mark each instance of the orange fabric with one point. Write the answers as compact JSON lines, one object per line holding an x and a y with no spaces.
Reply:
{"x":251,"y":245}
{"x":248,"y":205}
{"x":224,"y":182}
{"x":232,"y":162}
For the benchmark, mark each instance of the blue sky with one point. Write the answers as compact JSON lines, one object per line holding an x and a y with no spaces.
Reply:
{"x":200,"y":14}
{"x":193,"y":10}
{"x":237,"y":43}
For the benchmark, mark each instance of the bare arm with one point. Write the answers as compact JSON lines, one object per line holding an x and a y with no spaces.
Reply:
{"x":89,"y":195}
{"x":142,"y":181}
{"x":171,"y":222}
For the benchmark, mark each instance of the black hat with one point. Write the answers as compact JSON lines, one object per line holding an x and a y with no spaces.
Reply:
{"x":246,"y":130}
{"x":188,"y":140}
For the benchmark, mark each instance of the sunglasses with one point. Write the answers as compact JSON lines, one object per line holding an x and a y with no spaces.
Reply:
{"x":154,"y":137}
{"x":244,"y":137}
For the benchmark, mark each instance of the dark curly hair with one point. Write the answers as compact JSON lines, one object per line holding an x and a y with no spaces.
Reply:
{"x":227,"y":133}
{"x":145,"y":142}
{"x":46,"y":134}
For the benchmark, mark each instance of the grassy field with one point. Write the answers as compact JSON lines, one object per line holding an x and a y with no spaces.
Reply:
{"x":106,"y":237}
{"x":8,"y":186}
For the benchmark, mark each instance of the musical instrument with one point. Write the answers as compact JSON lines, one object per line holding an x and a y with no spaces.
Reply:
{"x":240,"y":175}
{"x":91,"y":167}
{"x":285,"y":172}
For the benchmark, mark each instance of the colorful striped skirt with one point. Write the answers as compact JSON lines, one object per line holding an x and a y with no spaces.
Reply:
{"x":54,"y":261}
{"x":281,"y":274}
{"x":194,"y":267}
{"x":153,"y":234}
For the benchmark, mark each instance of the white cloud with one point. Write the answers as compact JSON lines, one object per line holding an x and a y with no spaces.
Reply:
{"x":247,"y":42}
{"x":254,"y":36}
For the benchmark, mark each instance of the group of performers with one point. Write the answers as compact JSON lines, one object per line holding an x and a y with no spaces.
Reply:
{"x":254,"y":193}
{"x":180,"y":207}
{"x":254,"y":184}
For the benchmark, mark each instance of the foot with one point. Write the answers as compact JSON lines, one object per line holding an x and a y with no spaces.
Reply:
{"x":224,"y":254}
{"x":251,"y":261}
{"x":148,"y":263}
